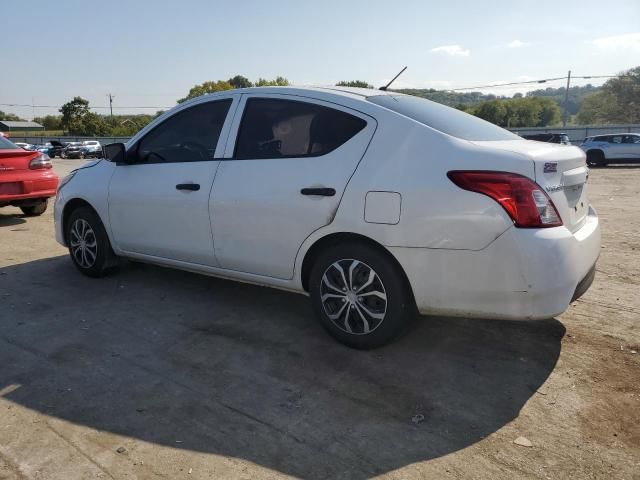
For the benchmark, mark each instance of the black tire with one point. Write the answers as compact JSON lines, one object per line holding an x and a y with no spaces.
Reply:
{"x":595,"y":158}
{"x":397,"y":309}
{"x":34,"y":210}
{"x":102,"y":259}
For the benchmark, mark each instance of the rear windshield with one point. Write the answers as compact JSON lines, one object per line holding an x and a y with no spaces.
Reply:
{"x":6,"y":144}
{"x":445,"y":119}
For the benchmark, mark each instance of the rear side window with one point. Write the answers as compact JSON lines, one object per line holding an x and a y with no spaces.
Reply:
{"x":188,"y":136}
{"x":444,"y":119}
{"x":276,"y":128}
{"x":6,"y":144}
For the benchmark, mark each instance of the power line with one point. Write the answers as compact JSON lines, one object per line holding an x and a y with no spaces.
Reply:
{"x":58,"y":106}
{"x":527,"y":82}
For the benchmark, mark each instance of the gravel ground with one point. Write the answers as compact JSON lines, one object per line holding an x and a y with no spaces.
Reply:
{"x":153,"y":373}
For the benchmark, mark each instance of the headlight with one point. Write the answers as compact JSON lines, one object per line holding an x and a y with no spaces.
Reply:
{"x":66,"y":180}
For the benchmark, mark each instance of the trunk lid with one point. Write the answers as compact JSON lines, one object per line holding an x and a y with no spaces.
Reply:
{"x":15,"y":159}
{"x":561,"y":171}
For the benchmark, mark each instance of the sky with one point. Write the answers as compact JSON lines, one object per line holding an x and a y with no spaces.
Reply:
{"x":148,"y":53}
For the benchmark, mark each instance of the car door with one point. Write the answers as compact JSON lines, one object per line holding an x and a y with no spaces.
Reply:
{"x":615,"y":148}
{"x":289,"y":159}
{"x":631,"y":147}
{"x":159,"y":204}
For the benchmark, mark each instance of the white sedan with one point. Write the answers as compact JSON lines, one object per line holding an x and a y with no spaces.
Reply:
{"x":376,"y":204}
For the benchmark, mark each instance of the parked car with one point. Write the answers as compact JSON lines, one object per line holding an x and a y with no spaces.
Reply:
{"x":561,"y":138}
{"x":374,"y":203}
{"x":618,"y":148}
{"x":91,"y":149}
{"x":45,"y":148}
{"x":73,"y":150}
{"x":26,"y":178}
{"x":56,"y":148}
{"x":23,"y":145}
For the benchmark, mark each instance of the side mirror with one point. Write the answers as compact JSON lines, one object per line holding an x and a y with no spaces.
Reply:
{"x":115,"y":152}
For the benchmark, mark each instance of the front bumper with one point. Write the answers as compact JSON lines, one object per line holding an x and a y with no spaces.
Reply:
{"x":523,"y":274}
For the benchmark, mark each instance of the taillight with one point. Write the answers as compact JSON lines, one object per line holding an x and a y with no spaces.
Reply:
{"x":525,"y":202}
{"x":41,"y":161}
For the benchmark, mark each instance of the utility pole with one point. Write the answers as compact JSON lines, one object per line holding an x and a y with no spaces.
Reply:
{"x":111,"y":97}
{"x":566,"y":100}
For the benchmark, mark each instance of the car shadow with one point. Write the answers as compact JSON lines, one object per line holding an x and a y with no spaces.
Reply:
{"x":222,"y":367}
{"x":10,"y":220}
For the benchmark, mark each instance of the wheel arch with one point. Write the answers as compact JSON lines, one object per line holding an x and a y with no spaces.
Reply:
{"x":344,"y":237}
{"x":69,"y":208}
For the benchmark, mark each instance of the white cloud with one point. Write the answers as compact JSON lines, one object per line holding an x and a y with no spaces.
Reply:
{"x":517,"y":44}
{"x":619,"y":43}
{"x":453,"y":50}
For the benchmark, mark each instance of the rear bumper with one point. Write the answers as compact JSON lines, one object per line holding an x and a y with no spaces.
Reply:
{"x":523,"y":274}
{"x":20,"y":187}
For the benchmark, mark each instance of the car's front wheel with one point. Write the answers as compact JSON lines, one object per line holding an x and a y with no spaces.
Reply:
{"x":595,"y":158}
{"x":360,"y":295}
{"x":89,"y":244}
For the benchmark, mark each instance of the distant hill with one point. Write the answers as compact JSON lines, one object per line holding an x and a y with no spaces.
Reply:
{"x":469,"y":99}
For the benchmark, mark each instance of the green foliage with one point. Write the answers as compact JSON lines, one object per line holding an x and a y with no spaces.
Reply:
{"x":74,"y":114}
{"x":207,"y":87}
{"x":451,"y":99}
{"x":50,"y":122}
{"x":277,"y":82}
{"x":10,"y":117}
{"x":235,"y":82}
{"x":240,"y":82}
{"x":576,"y":96}
{"x":617,"y":102}
{"x":519,"y":112}
{"x":354,"y":83}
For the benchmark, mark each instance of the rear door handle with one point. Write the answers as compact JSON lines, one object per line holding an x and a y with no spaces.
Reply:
{"x":321,"y":191}
{"x":194,"y":187}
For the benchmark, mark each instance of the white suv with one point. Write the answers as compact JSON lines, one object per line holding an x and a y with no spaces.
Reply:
{"x":619,"y":148}
{"x":375,"y":204}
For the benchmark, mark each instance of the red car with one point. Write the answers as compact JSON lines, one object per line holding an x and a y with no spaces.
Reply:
{"x":26,"y":178}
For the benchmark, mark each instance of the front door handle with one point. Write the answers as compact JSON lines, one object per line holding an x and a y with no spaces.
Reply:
{"x":194,"y":187}
{"x":321,"y":191}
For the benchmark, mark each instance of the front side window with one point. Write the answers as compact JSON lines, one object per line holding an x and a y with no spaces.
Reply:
{"x":276,"y":128}
{"x":188,"y":136}
{"x":615,"y":139}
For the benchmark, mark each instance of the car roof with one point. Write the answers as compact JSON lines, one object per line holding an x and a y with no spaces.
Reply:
{"x":330,"y":91}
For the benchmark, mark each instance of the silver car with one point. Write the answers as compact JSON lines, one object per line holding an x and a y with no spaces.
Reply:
{"x":617,"y":148}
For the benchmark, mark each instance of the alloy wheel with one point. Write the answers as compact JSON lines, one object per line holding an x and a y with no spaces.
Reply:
{"x":84,"y":246}
{"x":353,"y":296}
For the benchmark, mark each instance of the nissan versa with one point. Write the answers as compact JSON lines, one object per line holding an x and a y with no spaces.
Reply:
{"x":377,"y":204}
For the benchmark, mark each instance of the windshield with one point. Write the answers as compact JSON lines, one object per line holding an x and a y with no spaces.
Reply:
{"x":444,"y":119}
{"x":6,"y":144}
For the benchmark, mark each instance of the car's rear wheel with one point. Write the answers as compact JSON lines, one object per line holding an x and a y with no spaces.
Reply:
{"x":89,"y":245}
{"x":595,"y":158}
{"x":34,"y":210}
{"x":360,"y":295}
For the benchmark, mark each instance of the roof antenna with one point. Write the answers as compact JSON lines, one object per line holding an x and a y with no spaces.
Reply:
{"x":392,"y":80}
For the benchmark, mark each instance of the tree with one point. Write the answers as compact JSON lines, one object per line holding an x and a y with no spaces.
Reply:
{"x":9,"y":117}
{"x":598,"y":108}
{"x":207,"y":87}
{"x":240,"y":82}
{"x":518,"y":112}
{"x":277,"y":82}
{"x":50,"y":122}
{"x":354,"y":83}
{"x":73,"y":114}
